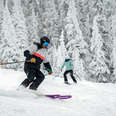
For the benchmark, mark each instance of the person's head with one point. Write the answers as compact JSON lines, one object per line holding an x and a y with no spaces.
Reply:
{"x":67,"y":58}
{"x":44,"y":41}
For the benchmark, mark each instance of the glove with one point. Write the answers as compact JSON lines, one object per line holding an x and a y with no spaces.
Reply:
{"x":49,"y":73}
{"x":33,"y":60}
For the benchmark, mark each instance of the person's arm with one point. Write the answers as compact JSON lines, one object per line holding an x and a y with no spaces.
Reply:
{"x":63,"y":66}
{"x":48,"y":67}
{"x":28,"y":53}
{"x":46,"y":62}
{"x":37,"y":44}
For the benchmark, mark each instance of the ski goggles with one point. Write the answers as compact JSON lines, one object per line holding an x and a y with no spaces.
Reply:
{"x":46,"y":44}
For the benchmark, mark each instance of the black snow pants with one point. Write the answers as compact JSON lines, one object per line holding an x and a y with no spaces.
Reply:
{"x":71,"y":74}
{"x":34,"y":79}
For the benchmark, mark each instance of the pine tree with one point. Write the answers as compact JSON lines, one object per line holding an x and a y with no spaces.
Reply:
{"x":60,"y":54}
{"x":8,"y":35}
{"x":74,"y":40}
{"x":113,"y":31}
{"x":19,"y":23}
{"x":32,"y":26}
{"x":98,"y":65}
{"x":1,"y":20}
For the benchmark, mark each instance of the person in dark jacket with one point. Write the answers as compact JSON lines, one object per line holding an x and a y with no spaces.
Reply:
{"x":69,"y":70}
{"x":35,"y":56}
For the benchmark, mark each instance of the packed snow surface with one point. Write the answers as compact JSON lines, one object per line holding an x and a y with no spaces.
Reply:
{"x":88,"y":99}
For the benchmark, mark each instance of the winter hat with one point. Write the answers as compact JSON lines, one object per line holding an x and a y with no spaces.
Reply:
{"x":44,"y":39}
{"x":67,"y":58}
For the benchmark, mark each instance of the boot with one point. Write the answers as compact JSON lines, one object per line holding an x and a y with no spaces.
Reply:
{"x":74,"y":81}
{"x":66,"y":82}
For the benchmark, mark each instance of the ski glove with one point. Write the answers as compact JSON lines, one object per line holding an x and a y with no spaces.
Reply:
{"x":33,"y":60}
{"x":50,"y":73}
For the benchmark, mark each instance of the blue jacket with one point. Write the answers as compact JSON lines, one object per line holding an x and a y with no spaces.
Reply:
{"x":68,"y":64}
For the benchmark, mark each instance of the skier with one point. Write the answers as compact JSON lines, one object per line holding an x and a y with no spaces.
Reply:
{"x":34,"y":58}
{"x":69,"y":69}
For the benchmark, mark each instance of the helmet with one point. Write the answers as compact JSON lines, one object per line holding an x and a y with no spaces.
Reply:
{"x":44,"y":39}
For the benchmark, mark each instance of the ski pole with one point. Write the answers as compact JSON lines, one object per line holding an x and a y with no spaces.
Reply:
{"x":5,"y":63}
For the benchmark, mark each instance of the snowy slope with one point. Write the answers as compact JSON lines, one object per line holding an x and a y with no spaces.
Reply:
{"x":89,"y":99}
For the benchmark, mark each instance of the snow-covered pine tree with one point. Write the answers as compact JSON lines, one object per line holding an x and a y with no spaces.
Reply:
{"x":18,"y":21}
{"x":75,"y":18}
{"x":83,"y":12}
{"x":104,"y":25}
{"x":1,"y":20}
{"x":98,"y":66}
{"x":60,"y":54}
{"x":74,"y":40}
{"x":8,"y":41}
{"x":32,"y":26}
{"x":50,"y":20}
{"x":113,"y":31}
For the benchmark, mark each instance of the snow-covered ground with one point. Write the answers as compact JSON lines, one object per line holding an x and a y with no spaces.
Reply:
{"x":88,"y":99}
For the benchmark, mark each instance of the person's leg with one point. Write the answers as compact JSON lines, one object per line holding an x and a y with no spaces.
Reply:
{"x":29,"y":79}
{"x":25,"y":83}
{"x":73,"y":78}
{"x":39,"y":78}
{"x":65,"y":77}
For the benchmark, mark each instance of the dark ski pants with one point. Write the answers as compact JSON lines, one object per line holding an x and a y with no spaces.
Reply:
{"x":71,"y":74}
{"x":34,"y":79}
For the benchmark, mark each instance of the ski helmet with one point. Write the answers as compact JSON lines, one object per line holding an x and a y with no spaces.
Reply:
{"x":44,"y":39}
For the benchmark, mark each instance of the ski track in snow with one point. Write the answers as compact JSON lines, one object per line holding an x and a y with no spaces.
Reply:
{"x":88,"y":99}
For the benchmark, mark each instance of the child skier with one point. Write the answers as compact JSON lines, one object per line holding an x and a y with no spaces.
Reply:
{"x":34,"y":58}
{"x":69,"y":69}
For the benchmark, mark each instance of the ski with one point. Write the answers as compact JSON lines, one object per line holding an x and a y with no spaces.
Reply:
{"x":54,"y":96}
{"x":65,"y":96}
{"x":57,"y":96}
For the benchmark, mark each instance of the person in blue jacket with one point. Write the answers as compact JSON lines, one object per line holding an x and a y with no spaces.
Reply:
{"x":69,"y":69}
